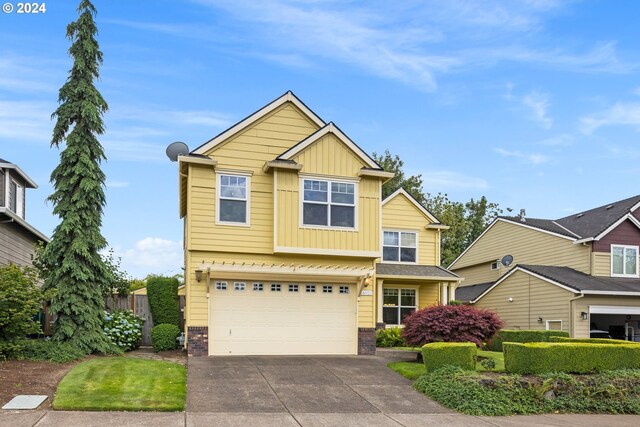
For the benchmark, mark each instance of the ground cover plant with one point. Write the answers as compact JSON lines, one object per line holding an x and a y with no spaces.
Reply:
{"x":123,"y":384}
{"x":473,"y":393}
{"x":389,"y":337}
{"x":450,"y":323}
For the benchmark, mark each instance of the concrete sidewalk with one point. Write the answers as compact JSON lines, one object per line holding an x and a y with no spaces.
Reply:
{"x":182,"y":419}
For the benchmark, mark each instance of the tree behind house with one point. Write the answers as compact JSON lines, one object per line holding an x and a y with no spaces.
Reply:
{"x":76,"y":269}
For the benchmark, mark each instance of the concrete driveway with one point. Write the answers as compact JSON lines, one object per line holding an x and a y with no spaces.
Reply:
{"x":301,"y":390}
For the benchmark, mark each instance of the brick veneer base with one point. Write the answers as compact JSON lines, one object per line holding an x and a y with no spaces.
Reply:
{"x":366,"y":341}
{"x":198,"y":341}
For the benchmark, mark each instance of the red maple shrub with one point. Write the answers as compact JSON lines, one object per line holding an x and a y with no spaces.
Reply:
{"x":450,"y":323}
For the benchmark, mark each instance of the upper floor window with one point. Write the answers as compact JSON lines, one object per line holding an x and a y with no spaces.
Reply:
{"x":329,"y":203}
{"x":399,"y":246}
{"x":624,"y":260}
{"x":232,"y":199}
{"x":16,"y":201}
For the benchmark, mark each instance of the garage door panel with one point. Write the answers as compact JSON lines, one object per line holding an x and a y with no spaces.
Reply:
{"x":266,"y":322}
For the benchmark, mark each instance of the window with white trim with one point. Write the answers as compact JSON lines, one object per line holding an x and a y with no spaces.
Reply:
{"x":396,"y":304}
{"x":232,"y":199}
{"x":221,"y":286}
{"x":624,"y":261}
{"x":344,"y":289}
{"x":275,"y":287}
{"x":328,"y":203}
{"x":293,"y":288}
{"x":239,"y":286}
{"x":16,"y":202}
{"x":327,"y":289}
{"x":258,"y":286}
{"x":399,"y":246}
{"x":310,"y":288}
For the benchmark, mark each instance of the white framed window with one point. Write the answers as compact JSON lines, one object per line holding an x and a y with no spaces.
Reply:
{"x":624,"y":261}
{"x":400,"y":246}
{"x":554,"y":325}
{"x":258,"y":287}
{"x":221,"y":286}
{"x":276,"y":287}
{"x":233,"y":199}
{"x":239,"y":286}
{"x":293,"y":288}
{"x":328,"y":203}
{"x":310,"y":288}
{"x":327,"y":289}
{"x":397,"y":303}
{"x":16,"y":202}
{"x":344,"y":289}
{"x":494,"y":265}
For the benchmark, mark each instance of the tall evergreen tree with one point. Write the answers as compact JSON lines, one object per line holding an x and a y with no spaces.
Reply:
{"x":76,"y":269}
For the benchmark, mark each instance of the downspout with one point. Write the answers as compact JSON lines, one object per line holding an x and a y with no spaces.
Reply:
{"x":571,"y":315}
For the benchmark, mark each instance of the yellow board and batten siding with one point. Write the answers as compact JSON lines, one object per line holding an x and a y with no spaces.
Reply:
{"x":527,"y":246}
{"x":531,"y":298}
{"x":401,"y":214}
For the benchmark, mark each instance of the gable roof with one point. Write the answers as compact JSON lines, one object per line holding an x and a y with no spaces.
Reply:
{"x":13,"y":217}
{"x":273,"y":105}
{"x":402,"y":191}
{"x":417,"y":271}
{"x":543,"y":224}
{"x":5,"y":164}
{"x":470,"y":293}
{"x":593,"y":222}
{"x":335,"y":130}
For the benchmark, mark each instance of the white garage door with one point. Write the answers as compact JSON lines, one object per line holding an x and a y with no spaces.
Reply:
{"x":271,"y":318}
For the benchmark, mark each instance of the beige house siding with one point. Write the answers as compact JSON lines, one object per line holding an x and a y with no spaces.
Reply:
{"x":527,"y":246}
{"x":481,"y":273}
{"x":601,"y":264}
{"x":401,"y":214}
{"x":329,"y":156}
{"x":582,"y":327}
{"x":532,"y":298}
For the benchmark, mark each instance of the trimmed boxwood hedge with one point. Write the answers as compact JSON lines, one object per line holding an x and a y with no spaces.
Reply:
{"x":591,"y":340}
{"x":577,"y":358}
{"x":523,"y":336}
{"x":163,"y":337}
{"x":438,"y":354}
{"x":163,"y":300}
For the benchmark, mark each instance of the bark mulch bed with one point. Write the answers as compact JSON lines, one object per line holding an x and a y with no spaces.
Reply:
{"x":32,"y":377}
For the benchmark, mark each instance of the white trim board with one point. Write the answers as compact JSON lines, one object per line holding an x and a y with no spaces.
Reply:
{"x":272,"y":106}
{"x":612,"y":227}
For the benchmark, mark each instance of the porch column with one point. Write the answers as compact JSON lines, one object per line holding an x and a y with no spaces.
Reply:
{"x":452,"y":291}
{"x":379,"y":299}
{"x":444,"y":293}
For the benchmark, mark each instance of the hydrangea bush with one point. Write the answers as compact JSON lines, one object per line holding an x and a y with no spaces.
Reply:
{"x":123,"y":328}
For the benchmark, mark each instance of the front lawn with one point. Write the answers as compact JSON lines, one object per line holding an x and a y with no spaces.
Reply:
{"x":123,"y":384}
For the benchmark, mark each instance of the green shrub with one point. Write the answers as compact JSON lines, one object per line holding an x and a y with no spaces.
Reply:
{"x":390,"y":337}
{"x":163,"y":337}
{"x":123,"y":328}
{"x":591,"y":340}
{"x":20,"y":301}
{"x":522,"y":337}
{"x":579,"y":358}
{"x":163,"y":300}
{"x":438,"y":354}
{"x":49,"y":350}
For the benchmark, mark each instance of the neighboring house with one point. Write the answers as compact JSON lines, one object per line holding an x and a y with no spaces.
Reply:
{"x":578,"y":273}
{"x":17,"y":236}
{"x":284,"y":228}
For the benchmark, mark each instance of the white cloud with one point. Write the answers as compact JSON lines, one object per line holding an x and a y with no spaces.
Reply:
{"x":538,"y":103}
{"x":621,"y":114}
{"x":153,"y":255}
{"x":435,"y":181}
{"x":533,"y":158}
{"x":26,"y":121}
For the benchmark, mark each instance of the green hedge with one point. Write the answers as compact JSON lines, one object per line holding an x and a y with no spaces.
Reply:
{"x":578,"y":358}
{"x":522,"y":337}
{"x":438,"y":354}
{"x":163,"y":337}
{"x":591,"y":340}
{"x":163,"y":300}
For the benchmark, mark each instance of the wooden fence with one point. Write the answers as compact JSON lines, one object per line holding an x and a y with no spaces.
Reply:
{"x":138,"y":303}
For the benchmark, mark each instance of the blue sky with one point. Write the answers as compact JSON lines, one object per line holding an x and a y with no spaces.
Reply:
{"x":535,"y":104}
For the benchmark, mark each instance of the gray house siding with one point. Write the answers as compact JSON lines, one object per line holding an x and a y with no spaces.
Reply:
{"x":16,"y":245}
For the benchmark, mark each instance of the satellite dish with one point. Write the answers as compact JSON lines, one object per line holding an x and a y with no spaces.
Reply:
{"x":506,"y":260}
{"x":176,"y":149}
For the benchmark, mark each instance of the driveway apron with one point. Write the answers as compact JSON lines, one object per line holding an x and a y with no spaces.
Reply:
{"x":301,"y":385}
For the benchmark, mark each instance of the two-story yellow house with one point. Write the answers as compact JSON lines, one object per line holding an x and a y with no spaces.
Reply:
{"x":289,"y":247}
{"x":579,"y":273}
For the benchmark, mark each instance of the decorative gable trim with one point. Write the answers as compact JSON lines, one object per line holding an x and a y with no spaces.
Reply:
{"x":402,"y":191}
{"x":495,"y":221}
{"x":329,"y":128}
{"x":612,"y":227}
{"x":273,"y":105}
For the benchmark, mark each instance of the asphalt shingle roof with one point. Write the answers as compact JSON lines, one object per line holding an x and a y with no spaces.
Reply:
{"x":470,"y":293}
{"x":582,"y":282}
{"x":414,"y":270}
{"x":543,"y":224}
